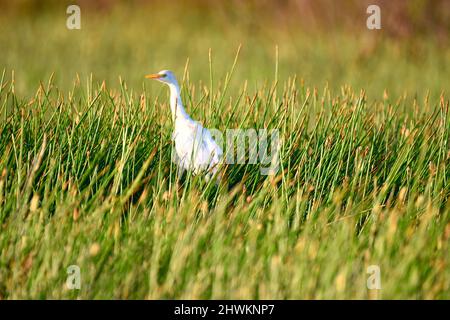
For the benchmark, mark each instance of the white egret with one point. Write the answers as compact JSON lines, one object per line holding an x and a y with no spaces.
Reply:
{"x":195,"y":148}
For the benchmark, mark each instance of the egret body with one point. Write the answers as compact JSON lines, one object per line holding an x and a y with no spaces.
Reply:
{"x":195,"y":148}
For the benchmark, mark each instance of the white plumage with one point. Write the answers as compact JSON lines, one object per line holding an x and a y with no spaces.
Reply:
{"x":195,"y":147}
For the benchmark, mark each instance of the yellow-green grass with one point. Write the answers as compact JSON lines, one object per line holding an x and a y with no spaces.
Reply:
{"x":86,"y":177}
{"x":87,"y":180}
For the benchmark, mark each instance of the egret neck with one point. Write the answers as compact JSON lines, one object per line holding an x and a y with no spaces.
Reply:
{"x":176,"y":105}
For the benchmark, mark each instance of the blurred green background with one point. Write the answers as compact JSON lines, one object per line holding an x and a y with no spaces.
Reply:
{"x":318,"y":41}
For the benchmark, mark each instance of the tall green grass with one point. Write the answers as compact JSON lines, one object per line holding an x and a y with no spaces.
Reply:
{"x":86,"y":179}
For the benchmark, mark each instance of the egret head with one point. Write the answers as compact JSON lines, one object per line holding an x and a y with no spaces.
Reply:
{"x":165,"y":76}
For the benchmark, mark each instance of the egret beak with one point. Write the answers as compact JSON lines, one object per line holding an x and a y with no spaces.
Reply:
{"x":154,"y":76}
